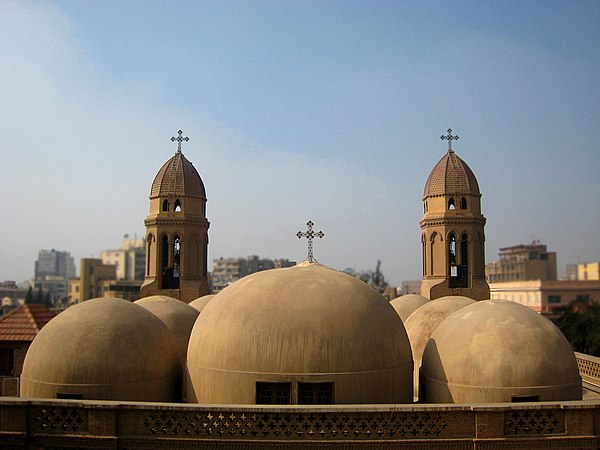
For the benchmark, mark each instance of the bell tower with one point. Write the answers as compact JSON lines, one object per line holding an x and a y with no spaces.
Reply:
{"x":452,"y":231}
{"x":177,"y":231}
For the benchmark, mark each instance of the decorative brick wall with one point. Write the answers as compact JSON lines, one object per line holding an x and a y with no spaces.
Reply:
{"x":86,"y":424}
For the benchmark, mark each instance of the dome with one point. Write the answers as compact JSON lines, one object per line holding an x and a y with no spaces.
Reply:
{"x":177,"y":177}
{"x":178,"y":316}
{"x":451,"y":175}
{"x":498,"y":351}
{"x":201,"y":302}
{"x":103,"y":349}
{"x":423,"y":322}
{"x":405,"y":305}
{"x":298,"y":326}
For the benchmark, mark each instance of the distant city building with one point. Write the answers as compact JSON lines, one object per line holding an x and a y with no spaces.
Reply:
{"x":544,"y":296}
{"x":53,"y":269}
{"x":129,"y":260}
{"x":11,"y":294}
{"x":228,"y":270}
{"x":583,"y":271}
{"x":54,"y":262}
{"x":411,"y":287}
{"x":522,"y":263}
{"x":93,"y":271}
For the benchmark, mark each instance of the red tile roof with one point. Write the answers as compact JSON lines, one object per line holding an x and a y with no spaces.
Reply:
{"x":24,"y":322}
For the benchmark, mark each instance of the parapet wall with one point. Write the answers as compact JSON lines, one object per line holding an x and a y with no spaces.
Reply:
{"x":70,"y":424}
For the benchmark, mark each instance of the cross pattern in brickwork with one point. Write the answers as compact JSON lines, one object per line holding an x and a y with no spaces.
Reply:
{"x":589,"y":368}
{"x":60,"y":420}
{"x":534,"y":422}
{"x":280,"y":425}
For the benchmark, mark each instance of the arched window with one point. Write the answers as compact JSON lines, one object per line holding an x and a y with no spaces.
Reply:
{"x":176,"y":262}
{"x":165,"y":206}
{"x":463,"y":203}
{"x":149,"y":253}
{"x":165,"y":270}
{"x":452,"y":255}
{"x":177,"y":205}
{"x":464,"y":250}
{"x":451,"y":204}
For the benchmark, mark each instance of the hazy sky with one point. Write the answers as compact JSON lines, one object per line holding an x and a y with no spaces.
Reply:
{"x":298,"y":110}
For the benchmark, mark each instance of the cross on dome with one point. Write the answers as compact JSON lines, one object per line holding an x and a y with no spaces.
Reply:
{"x":449,"y":138}
{"x":310,"y":235}
{"x":179,"y":140}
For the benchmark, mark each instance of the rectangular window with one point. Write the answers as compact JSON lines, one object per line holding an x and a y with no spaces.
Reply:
{"x":315,"y":393}
{"x":554,"y":299}
{"x":525,"y":398}
{"x":69,"y":396}
{"x":7,"y":362}
{"x":273,"y":393}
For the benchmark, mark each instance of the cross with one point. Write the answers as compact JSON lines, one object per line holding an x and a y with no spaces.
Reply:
{"x":310,"y":235}
{"x":449,"y":138}
{"x":179,"y":140}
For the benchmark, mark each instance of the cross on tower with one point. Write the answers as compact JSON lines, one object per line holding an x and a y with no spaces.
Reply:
{"x":179,"y":140}
{"x":310,"y":235}
{"x":449,"y":138}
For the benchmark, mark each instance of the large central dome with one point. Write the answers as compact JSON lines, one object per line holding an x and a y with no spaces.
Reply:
{"x":451,"y":175}
{"x":303,"y":324}
{"x":177,"y":177}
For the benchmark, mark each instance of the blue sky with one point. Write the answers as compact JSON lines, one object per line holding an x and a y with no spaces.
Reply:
{"x":330,"y":111}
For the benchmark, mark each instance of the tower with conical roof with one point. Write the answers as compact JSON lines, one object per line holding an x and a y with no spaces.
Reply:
{"x":452,"y":231}
{"x":177,"y":232}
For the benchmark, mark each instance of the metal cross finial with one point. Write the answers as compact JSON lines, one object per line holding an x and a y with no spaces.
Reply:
{"x":179,"y":140}
{"x":449,"y":138}
{"x":310,"y":235}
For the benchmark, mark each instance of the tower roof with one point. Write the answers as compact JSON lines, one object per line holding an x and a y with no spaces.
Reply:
{"x":178,"y":177}
{"x":451,"y":175}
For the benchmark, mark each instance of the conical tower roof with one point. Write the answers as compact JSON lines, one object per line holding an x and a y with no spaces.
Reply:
{"x":178,"y":177}
{"x":451,"y":175}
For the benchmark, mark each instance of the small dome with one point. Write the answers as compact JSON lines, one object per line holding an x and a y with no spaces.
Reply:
{"x":178,"y":316}
{"x":405,"y":305}
{"x":498,"y":351}
{"x":302,"y":324}
{"x":201,"y":302}
{"x":178,"y":177}
{"x":423,"y":322}
{"x":451,"y":175}
{"x":103,"y":349}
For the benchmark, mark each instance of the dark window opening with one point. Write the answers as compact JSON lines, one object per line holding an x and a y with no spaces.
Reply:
{"x":554,"y":299}
{"x":451,"y":204}
{"x":176,"y":262}
{"x":165,"y":206}
{"x":7,"y":362}
{"x":315,"y":393}
{"x":67,"y":396}
{"x":177,"y":205}
{"x":525,"y":398}
{"x":463,"y":203}
{"x":273,"y":393}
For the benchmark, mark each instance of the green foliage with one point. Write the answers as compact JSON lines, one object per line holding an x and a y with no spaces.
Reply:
{"x":580,"y":323}
{"x":376,"y":279}
{"x":29,"y":296}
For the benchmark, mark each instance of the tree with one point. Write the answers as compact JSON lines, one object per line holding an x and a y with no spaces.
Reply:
{"x":39,"y":297}
{"x":580,"y":323}
{"x":29,"y":296}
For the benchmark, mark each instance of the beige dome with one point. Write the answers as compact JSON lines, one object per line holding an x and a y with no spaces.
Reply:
{"x":405,"y":305}
{"x":303,"y":324}
{"x":498,"y":351}
{"x":423,"y":322}
{"x":451,"y":175}
{"x":178,"y":316}
{"x":201,"y":302}
{"x":177,"y":177}
{"x":103,"y":349}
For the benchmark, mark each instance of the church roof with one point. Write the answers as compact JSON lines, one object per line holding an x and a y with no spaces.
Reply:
{"x":451,"y":175}
{"x":178,"y":177}
{"x":24,"y":322}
